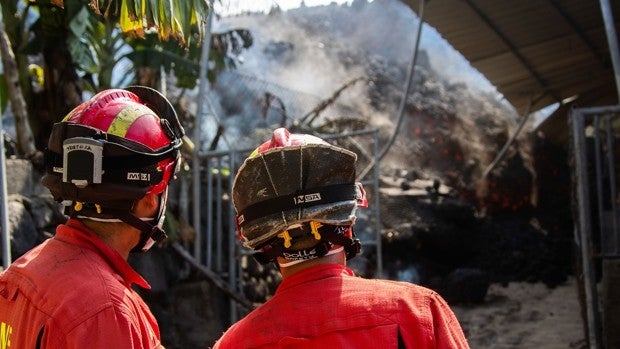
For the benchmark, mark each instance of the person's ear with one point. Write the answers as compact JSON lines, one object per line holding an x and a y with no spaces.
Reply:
{"x":147,"y":206}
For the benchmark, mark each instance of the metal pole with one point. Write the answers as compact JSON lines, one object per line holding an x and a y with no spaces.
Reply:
{"x":612,"y":181}
{"x":218,"y":217}
{"x":583,"y":230}
{"x":6,"y":234}
{"x":612,"y":41}
{"x":598,"y":170}
{"x":410,"y":74}
{"x":232,"y":241}
{"x":377,"y":204}
{"x":202,"y":92}
{"x":209,"y":230}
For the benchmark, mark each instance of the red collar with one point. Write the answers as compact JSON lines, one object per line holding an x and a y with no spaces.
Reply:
{"x":76,"y":233}
{"x":321,"y":271}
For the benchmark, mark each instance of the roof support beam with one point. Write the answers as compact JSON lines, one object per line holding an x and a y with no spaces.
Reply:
{"x":612,"y":41}
{"x":602,"y":59}
{"x":513,"y":49}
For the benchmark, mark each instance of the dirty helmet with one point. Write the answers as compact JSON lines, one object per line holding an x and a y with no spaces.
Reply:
{"x":292,"y":190}
{"x":111,"y":151}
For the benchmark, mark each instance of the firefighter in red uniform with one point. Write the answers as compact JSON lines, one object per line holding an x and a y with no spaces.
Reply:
{"x":109,"y":162}
{"x":296,"y":198}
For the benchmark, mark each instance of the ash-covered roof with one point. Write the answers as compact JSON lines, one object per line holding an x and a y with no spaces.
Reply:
{"x":546,"y":50}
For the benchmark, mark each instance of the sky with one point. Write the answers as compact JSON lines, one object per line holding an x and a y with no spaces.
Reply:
{"x":237,"y":6}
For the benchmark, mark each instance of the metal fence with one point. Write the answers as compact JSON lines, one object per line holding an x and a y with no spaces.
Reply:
{"x":595,"y":133}
{"x":216,"y":246}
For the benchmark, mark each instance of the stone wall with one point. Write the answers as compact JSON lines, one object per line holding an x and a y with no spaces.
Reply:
{"x":32,"y":212}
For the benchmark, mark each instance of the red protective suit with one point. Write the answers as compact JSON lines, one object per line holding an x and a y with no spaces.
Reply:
{"x":74,"y":291}
{"x":327,"y":306}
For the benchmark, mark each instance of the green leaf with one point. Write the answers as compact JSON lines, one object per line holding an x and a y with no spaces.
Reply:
{"x":183,"y":11}
{"x":152,"y":16}
{"x":165,"y":20}
{"x":83,"y":54}
{"x":75,"y":7}
{"x":185,"y":70}
{"x":80,"y":23}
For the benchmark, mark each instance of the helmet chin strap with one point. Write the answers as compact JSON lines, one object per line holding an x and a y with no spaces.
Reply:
{"x":149,"y":233}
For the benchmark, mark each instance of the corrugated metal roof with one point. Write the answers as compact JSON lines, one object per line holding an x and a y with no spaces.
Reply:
{"x":546,"y":50}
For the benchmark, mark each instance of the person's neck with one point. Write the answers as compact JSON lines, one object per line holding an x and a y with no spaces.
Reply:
{"x":338,"y":258}
{"x":120,"y":236}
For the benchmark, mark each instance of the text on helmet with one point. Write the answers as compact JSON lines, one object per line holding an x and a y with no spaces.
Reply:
{"x":137,"y":176}
{"x":300,"y":199}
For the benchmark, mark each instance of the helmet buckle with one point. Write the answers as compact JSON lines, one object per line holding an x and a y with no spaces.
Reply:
{"x":165,"y":125}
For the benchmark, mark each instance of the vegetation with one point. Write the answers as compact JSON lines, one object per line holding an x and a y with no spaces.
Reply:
{"x":53,"y":51}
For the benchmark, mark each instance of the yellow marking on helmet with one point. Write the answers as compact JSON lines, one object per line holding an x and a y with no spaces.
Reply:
{"x":287,"y":238}
{"x":126,"y":118}
{"x":314,"y":228}
{"x":98,"y":207}
{"x":77,"y":206}
{"x":253,"y":154}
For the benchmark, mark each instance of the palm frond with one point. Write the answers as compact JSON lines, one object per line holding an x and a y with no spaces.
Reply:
{"x":178,"y":20}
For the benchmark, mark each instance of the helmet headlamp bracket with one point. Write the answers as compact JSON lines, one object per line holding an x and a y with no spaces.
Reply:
{"x":82,"y":161}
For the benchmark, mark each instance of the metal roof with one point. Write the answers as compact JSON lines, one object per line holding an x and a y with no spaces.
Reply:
{"x":543,"y":50}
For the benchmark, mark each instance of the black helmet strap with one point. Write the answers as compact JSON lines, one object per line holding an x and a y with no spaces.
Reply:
{"x":300,"y":199}
{"x":149,"y":233}
{"x":330,"y":235}
{"x":84,"y":155}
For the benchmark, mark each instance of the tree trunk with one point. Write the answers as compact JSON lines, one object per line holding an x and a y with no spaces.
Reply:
{"x":25,"y":140}
{"x":61,"y":91}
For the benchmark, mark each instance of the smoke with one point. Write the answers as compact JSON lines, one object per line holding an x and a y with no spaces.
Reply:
{"x":304,"y":55}
{"x":455,"y":121}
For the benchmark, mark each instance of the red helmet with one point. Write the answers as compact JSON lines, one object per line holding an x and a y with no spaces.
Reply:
{"x":112,"y":150}
{"x":291,"y":180}
{"x":283,"y":138}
